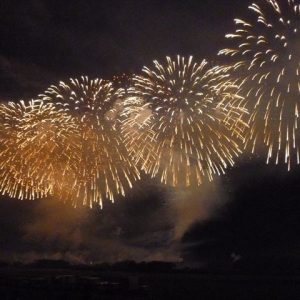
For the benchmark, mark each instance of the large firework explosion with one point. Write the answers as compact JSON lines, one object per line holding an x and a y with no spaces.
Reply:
{"x":265,"y":59}
{"x":104,"y":169}
{"x":181,"y":122}
{"x":38,"y":147}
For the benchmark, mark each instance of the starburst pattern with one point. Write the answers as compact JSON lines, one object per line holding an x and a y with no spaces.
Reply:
{"x":104,"y":169}
{"x":38,"y":148}
{"x":265,"y":59}
{"x":182,"y":122}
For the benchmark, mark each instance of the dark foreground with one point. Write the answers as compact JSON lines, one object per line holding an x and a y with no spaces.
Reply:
{"x":25,"y":284}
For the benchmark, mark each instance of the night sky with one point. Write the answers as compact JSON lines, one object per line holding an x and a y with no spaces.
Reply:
{"x":252,"y":211}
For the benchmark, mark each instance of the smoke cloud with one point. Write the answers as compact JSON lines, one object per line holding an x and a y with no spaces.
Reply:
{"x":147,"y":225}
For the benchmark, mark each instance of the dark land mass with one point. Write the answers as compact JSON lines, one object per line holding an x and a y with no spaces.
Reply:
{"x":155,"y":280}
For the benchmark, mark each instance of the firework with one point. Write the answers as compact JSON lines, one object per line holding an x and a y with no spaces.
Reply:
{"x":123,"y":82}
{"x":104,"y":169}
{"x":265,"y":59}
{"x":37,"y":148}
{"x":181,"y":123}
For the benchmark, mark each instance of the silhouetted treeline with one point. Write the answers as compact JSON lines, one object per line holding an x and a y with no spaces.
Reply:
{"x":152,"y":266}
{"x":247,"y":266}
{"x":51,"y":263}
{"x":126,"y":265}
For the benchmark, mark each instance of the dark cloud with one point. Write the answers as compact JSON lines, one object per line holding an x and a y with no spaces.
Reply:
{"x":260,"y":220}
{"x":21,"y":80}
